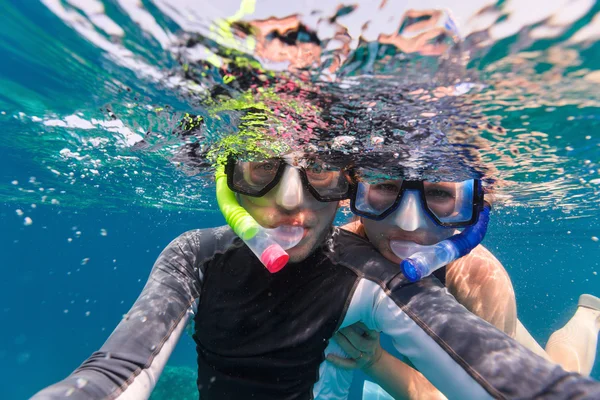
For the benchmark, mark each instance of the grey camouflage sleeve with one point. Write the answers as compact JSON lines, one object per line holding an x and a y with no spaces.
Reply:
{"x":131,"y":360}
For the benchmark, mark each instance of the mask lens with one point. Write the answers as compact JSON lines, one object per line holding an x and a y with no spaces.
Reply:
{"x":329,"y":182}
{"x":450,"y":202}
{"x":251,"y":177}
{"x":377,"y":197}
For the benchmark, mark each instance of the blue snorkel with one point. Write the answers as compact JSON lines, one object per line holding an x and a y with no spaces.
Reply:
{"x":427,"y":261}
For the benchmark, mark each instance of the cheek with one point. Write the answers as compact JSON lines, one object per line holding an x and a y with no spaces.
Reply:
{"x":326,"y":214}
{"x":438,"y":233}
{"x":373,"y":229}
{"x":247,"y":201}
{"x":258,"y":207}
{"x":380,"y":240}
{"x":321,"y":208}
{"x":376,"y":235}
{"x":449,"y":232}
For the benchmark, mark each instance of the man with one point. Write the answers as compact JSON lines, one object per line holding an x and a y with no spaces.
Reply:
{"x":263,"y":335}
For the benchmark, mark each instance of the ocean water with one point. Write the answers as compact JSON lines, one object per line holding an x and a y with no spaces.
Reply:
{"x":97,"y":174}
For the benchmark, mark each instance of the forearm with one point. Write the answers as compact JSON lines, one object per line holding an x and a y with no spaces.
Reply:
{"x":131,"y":360}
{"x":400,"y":380}
{"x":463,"y":356}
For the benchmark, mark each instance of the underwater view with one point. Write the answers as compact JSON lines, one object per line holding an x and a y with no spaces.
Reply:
{"x":116,"y":116}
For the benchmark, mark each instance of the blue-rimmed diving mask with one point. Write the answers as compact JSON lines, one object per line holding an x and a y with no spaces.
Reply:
{"x":448,"y":204}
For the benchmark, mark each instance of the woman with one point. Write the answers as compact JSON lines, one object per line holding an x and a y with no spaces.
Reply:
{"x":402,"y":218}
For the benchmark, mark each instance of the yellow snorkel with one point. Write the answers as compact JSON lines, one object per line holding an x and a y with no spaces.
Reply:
{"x":259,"y":239}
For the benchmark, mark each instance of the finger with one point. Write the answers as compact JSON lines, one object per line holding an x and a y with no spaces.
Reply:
{"x":364,"y":331}
{"x":371,"y":334}
{"x":346,"y":329}
{"x":348,"y":347}
{"x":359,"y":328}
{"x":345,"y":363}
{"x":358,"y":341}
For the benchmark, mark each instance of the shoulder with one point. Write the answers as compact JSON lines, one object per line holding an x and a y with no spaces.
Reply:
{"x":479,"y":261}
{"x":358,"y":254}
{"x":200,"y":244}
{"x":202,"y":237}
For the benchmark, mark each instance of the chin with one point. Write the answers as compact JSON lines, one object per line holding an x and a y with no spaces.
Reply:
{"x":296,"y":257}
{"x":299,"y":253}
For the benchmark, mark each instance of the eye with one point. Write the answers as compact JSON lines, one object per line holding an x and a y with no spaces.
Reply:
{"x":318,"y":172}
{"x":261,"y":173}
{"x":438,"y":194}
{"x":386,"y":187}
{"x":316,"y":169}
{"x":263,"y":167}
{"x":323,"y":178}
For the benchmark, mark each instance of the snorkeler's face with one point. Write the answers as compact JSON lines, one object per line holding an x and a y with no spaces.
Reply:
{"x":405,"y":229}
{"x":290,"y":203}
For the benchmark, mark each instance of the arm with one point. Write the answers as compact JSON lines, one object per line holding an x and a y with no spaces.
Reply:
{"x":462,"y":355}
{"x":131,"y":360}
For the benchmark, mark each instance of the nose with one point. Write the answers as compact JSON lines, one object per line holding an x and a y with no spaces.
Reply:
{"x":410,"y":215}
{"x":290,"y":193}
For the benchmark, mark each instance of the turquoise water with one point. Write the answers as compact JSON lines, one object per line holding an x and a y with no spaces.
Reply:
{"x":96,"y":178}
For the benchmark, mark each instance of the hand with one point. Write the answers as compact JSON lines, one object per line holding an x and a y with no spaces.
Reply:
{"x":360,"y":343}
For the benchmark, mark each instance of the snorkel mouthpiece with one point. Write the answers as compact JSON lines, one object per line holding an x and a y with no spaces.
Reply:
{"x":263,"y":242}
{"x":425,"y":262}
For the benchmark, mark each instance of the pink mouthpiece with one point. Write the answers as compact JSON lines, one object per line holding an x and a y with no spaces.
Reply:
{"x":274,"y":258}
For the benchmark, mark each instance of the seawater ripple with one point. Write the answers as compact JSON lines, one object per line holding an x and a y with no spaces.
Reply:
{"x":123,"y":102}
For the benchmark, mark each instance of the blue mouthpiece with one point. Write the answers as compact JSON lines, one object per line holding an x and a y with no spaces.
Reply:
{"x":426,"y":262}
{"x":411,"y":270}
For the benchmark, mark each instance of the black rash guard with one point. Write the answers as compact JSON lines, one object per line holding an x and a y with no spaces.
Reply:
{"x":265,"y":336}
{"x":266,"y":333}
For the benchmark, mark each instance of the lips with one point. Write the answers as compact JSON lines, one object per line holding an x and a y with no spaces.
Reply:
{"x":299,"y":220}
{"x":291,"y":231}
{"x":288,"y":236}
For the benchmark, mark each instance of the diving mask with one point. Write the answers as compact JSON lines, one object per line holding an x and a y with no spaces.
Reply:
{"x":448,"y":204}
{"x":324,"y":181}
